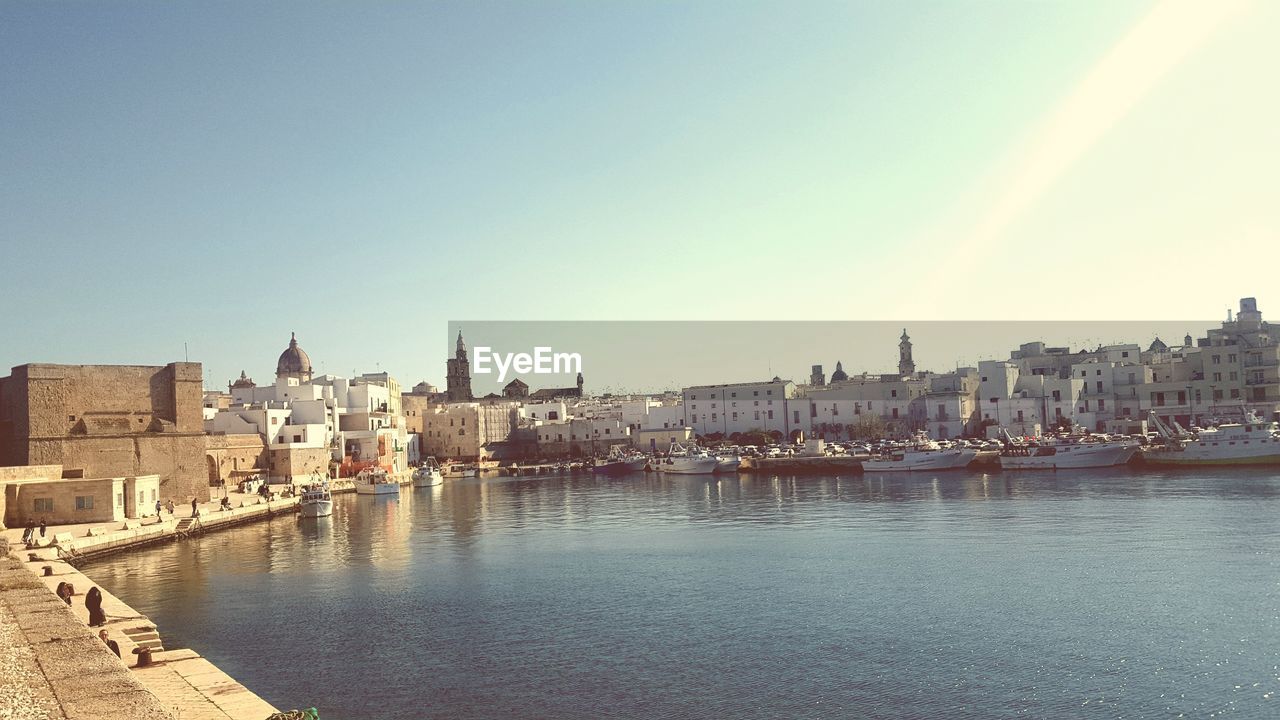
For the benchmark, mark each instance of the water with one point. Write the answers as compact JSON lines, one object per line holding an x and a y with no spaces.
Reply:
{"x":1098,"y":594}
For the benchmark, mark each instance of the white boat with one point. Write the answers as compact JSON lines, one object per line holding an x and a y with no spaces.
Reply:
{"x":1252,"y":442}
{"x":375,"y":481}
{"x":316,"y":500}
{"x":428,"y":475}
{"x":924,"y":456}
{"x":692,"y":461}
{"x":1056,"y":455}
{"x":461,"y":470}
{"x":728,"y":462}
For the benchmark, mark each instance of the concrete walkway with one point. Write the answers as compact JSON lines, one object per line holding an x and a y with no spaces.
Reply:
{"x":180,"y":682}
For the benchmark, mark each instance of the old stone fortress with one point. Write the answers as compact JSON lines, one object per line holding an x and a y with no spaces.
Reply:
{"x":99,"y":443}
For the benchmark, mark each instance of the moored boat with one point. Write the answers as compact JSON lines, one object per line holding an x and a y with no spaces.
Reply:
{"x":1253,"y":442}
{"x":1063,"y":454}
{"x":620,"y":462}
{"x":428,"y":475}
{"x":375,"y":481}
{"x":460,"y":470}
{"x":316,"y":500}
{"x":920,"y":458}
{"x":687,"y":461}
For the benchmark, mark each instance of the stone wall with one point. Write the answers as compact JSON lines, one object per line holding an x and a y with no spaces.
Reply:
{"x":233,"y":457}
{"x":298,"y":463}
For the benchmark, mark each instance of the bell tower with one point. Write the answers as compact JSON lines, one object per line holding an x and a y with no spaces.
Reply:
{"x":906,"y":366}
{"x":458,"y":374}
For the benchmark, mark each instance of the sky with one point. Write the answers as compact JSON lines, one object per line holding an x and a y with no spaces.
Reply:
{"x":201,"y":179}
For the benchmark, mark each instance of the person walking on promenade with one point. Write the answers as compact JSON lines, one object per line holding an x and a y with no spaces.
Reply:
{"x":29,"y":533}
{"x":158,"y":506}
{"x":169,"y":507}
{"x":115,"y":646}
{"x":195,"y":507}
{"x":93,"y":601}
{"x":43,"y":524}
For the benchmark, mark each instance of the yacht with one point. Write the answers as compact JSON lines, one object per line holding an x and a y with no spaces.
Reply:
{"x":1252,"y":442}
{"x":375,"y":481}
{"x":316,"y":500}
{"x":923,"y":455}
{"x":428,"y":475}
{"x":687,"y":461}
{"x":1064,"y":454}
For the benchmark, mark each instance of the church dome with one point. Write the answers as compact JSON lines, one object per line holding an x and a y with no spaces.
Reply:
{"x":839,"y":375}
{"x":293,"y":361}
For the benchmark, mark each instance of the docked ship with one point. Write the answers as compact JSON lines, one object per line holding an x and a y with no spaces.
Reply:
{"x":687,"y":461}
{"x":316,"y":500}
{"x":375,"y":481}
{"x":461,"y":470}
{"x":428,"y":475}
{"x":620,"y":462}
{"x":1252,"y":442}
{"x":728,"y":462}
{"x":1064,"y":454}
{"x":923,"y":455}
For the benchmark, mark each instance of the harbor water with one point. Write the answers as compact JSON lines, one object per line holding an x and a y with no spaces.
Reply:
{"x":1086,"y":594}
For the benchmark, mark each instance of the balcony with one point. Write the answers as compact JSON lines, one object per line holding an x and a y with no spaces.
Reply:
{"x":1262,"y":362}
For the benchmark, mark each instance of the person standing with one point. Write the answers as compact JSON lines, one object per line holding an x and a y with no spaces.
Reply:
{"x":43,"y":525}
{"x":93,"y":601}
{"x":29,"y":533}
{"x":195,"y":507}
{"x":115,"y":647}
{"x":157,"y":507}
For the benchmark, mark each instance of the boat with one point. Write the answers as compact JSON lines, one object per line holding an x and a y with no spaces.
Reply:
{"x":461,"y":470}
{"x":375,"y":481}
{"x":728,"y":462}
{"x":1063,"y":454}
{"x":316,"y":500}
{"x":1252,"y":442}
{"x":687,"y":461}
{"x":620,"y":462}
{"x":923,"y":455}
{"x":428,"y":475}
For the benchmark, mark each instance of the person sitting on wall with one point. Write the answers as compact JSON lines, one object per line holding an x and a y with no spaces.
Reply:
{"x":115,"y":646}
{"x":93,"y":601}
{"x":65,"y":591}
{"x":226,"y":503}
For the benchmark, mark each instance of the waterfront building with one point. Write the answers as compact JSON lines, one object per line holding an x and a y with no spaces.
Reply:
{"x":581,"y":436}
{"x":108,"y":421}
{"x":469,"y":431}
{"x":309,"y":424}
{"x":725,"y":409}
{"x":60,"y":496}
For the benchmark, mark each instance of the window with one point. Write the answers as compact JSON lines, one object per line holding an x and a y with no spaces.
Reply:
{"x":770,"y":414}
{"x":757,"y":414}
{"x":1217,"y":377}
{"x":1099,"y":385}
{"x":44,"y":505}
{"x":1097,"y":372}
{"x":733,"y":394}
{"x":735,"y":416}
{"x":1057,"y":396}
{"x":1020,"y":418}
{"x":893,"y":393}
{"x":84,"y":502}
{"x":275,"y":421}
{"x":768,"y":392}
{"x":1235,"y":393}
{"x":1231,"y":358}
{"x":1124,"y":354}
{"x":795,"y":416}
{"x":1102,"y":404}
{"x":693,"y":418}
{"x":1217,"y":359}
{"x":1234,"y":375}
{"x":714,"y":416}
{"x":894,"y":412}
{"x":297,"y":438}
{"x":142,"y":498}
{"x":756,"y":392}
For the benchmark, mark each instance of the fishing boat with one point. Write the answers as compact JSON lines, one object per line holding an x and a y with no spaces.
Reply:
{"x":687,"y":461}
{"x":375,"y":481}
{"x":923,"y":455}
{"x":428,"y":475}
{"x":729,"y":461}
{"x":620,"y":462}
{"x":1252,"y":442}
{"x":1064,"y":454}
{"x":315,"y":500}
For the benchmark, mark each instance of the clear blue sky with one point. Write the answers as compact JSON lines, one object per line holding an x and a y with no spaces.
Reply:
{"x":224,"y":173}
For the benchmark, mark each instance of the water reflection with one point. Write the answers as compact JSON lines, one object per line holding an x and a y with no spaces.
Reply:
{"x":964,"y":595}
